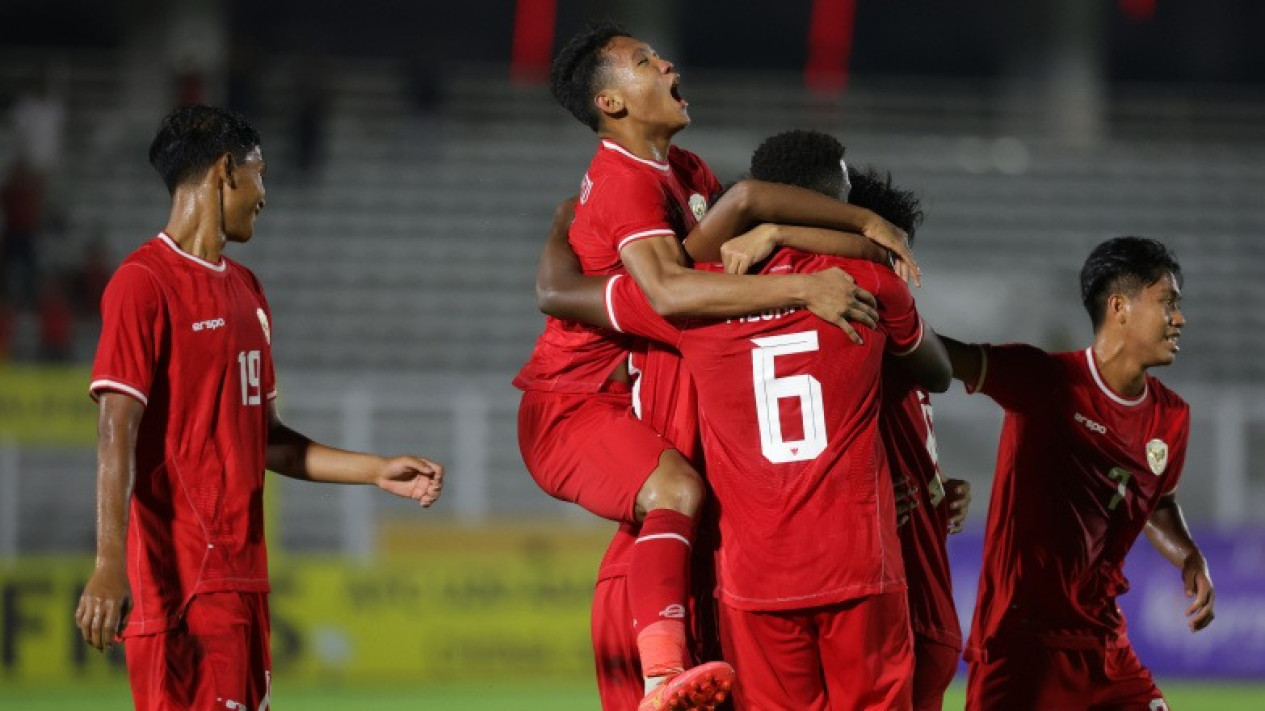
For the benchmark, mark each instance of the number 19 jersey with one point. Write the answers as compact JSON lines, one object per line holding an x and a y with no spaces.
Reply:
{"x":191,"y":341}
{"x":788,"y":408}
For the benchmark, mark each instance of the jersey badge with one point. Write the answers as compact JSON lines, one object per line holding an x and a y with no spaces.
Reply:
{"x":263,"y":323}
{"x":698,"y":206}
{"x":1157,"y":456}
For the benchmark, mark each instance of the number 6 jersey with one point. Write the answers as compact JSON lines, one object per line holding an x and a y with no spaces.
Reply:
{"x":190,"y":340}
{"x":788,"y":409}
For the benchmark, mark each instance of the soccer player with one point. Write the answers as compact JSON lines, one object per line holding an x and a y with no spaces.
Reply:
{"x":813,"y":606}
{"x":577,"y":435}
{"x":933,"y":507}
{"x":1091,"y":454}
{"x":186,"y":392}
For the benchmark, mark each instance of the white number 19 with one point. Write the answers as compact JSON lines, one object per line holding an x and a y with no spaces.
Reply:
{"x":248,"y":364}
{"x":769,"y":389}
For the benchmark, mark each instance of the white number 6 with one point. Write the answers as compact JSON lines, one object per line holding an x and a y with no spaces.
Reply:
{"x":769,"y":389}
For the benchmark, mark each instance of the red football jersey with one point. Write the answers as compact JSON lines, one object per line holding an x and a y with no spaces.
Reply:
{"x":191,"y":341}
{"x":788,"y":407}
{"x":623,"y":199}
{"x":1080,"y":469}
{"x":909,"y":439}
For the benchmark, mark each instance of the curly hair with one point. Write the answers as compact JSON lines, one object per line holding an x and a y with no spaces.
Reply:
{"x":576,"y":72}
{"x":191,"y":138}
{"x":1123,"y":265}
{"x":807,"y":159}
{"x":874,"y":191}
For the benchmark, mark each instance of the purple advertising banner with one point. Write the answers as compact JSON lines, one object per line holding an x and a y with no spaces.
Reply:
{"x":1232,"y":647}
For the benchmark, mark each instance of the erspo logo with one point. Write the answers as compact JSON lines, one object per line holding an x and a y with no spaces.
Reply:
{"x":208,"y":325}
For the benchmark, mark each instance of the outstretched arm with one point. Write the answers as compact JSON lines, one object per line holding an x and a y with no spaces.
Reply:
{"x":928,"y":364}
{"x":1166,"y":529}
{"x":966,"y":359}
{"x":562,"y":289}
{"x":752,"y":201}
{"x":298,"y":457}
{"x":106,"y":600}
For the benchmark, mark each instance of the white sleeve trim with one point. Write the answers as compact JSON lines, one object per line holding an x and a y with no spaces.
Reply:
{"x":116,"y":385}
{"x":610,"y":306}
{"x":647,"y":233}
{"x":272,"y":395}
{"x":917,"y":341}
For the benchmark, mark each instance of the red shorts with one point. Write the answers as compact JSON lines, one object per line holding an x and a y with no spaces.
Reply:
{"x":852,"y":655}
{"x":619,"y":682}
{"x":589,"y":449}
{"x":934,"y":667}
{"x":217,"y":657}
{"x":1032,"y":676}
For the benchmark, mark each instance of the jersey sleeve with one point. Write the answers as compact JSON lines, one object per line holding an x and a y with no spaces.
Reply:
{"x":133,"y":325}
{"x":630,"y":207}
{"x":1177,"y":458}
{"x":897,"y":313}
{"x":1015,"y":375}
{"x":630,"y":312}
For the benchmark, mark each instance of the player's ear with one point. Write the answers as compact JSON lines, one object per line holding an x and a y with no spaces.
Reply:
{"x":226,"y":170}
{"x":609,"y":103}
{"x":1118,"y":306}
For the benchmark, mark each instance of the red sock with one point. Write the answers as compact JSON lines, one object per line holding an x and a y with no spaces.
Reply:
{"x":658,"y":577}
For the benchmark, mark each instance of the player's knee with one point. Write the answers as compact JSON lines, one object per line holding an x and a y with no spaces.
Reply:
{"x":672,"y":485}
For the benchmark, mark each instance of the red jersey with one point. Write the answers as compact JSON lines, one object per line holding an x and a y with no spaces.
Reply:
{"x":910,"y":442}
{"x":623,"y":199}
{"x":789,"y":417}
{"x":1080,"y":469}
{"x":190,"y":340}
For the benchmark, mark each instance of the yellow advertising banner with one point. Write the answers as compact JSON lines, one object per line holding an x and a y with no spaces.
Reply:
{"x":463,"y":605}
{"x":46,"y":405}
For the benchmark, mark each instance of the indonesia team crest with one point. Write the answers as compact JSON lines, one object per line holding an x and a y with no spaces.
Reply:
{"x":698,"y":206}
{"x":1157,"y":456}
{"x":263,"y":323}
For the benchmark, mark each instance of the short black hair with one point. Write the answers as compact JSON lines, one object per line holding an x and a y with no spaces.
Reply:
{"x":1123,"y":265}
{"x":576,"y":72}
{"x":807,"y":159}
{"x":191,"y":138}
{"x":874,"y":191}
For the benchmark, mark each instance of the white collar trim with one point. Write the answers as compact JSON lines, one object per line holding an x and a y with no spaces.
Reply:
{"x":196,"y":260}
{"x":607,"y":143}
{"x":1093,"y":369}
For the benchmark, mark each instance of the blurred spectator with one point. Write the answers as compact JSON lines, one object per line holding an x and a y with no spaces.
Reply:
{"x":56,"y":321}
{"x":89,"y":283}
{"x":39,"y":116}
{"x":190,"y":83}
{"x":22,"y":200}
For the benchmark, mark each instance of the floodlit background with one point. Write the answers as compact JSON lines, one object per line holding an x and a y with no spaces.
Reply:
{"x":415,"y":158}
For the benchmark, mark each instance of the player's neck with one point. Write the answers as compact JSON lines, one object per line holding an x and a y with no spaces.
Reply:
{"x":644,"y":145}
{"x":196,"y":224}
{"x":1120,"y":371}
